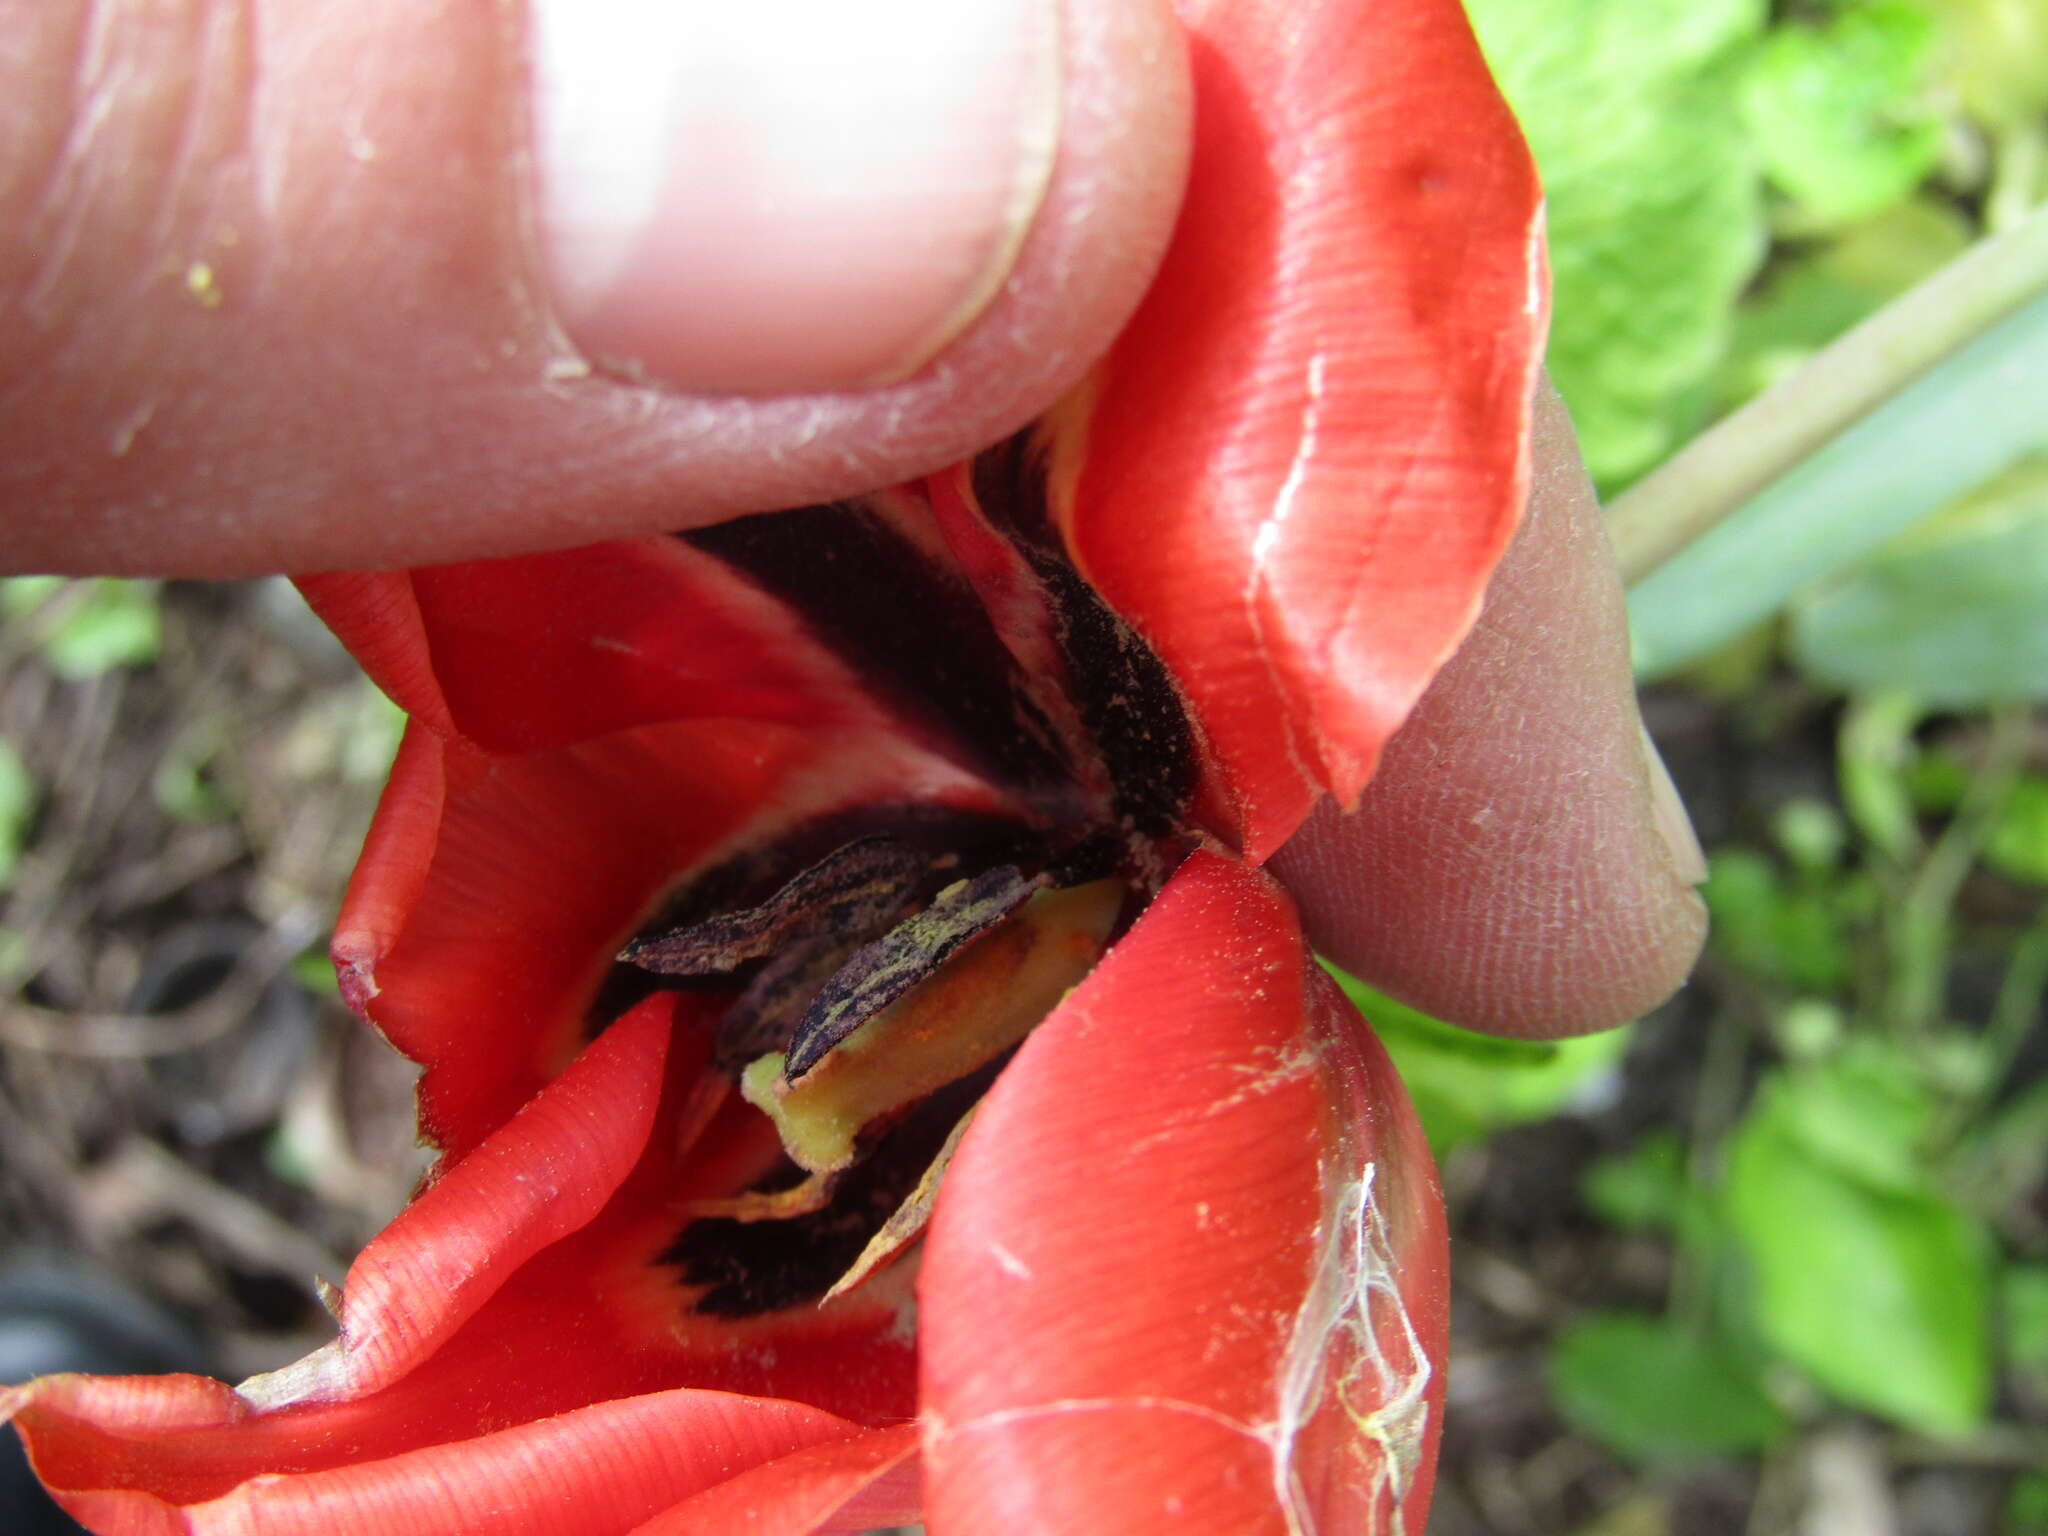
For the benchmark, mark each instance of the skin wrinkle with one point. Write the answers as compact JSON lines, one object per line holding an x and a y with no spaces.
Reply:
{"x":55,"y":213}
{"x":58,"y":171}
{"x":1503,"y":870}
{"x":193,"y":153}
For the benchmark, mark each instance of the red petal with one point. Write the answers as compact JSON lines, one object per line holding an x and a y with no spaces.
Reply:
{"x":546,"y":1172}
{"x":603,"y":1313}
{"x":376,"y":614}
{"x":1301,"y":460}
{"x":596,"y":1471}
{"x":392,"y":868}
{"x":524,"y":1287}
{"x":851,"y":1485}
{"x":1188,"y":1266}
{"x":543,"y":650}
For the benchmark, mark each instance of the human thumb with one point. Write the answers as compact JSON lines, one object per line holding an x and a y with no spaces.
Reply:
{"x":300,"y":286}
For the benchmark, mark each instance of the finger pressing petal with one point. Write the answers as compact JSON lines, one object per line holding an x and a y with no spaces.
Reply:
{"x":1519,"y":864}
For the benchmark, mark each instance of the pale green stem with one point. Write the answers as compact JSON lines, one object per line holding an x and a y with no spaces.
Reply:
{"x":2021,"y":178}
{"x":1725,"y":467}
{"x":1717,"y":1100}
{"x":2005,"y":1033}
{"x":1922,"y":920}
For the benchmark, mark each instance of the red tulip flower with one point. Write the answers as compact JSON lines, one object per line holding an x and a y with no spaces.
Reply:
{"x":873,"y":1077}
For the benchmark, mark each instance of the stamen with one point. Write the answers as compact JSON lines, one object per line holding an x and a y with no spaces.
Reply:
{"x":906,"y":1223}
{"x":878,"y":992}
{"x":764,"y":1016}
{"x":883,"y":971}
{"x":855,"y":889}
{"x":962,"y":1015}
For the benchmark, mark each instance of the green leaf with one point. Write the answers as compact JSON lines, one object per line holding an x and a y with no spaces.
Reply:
{"x":183,"y":785}
{"x":1773,"y":930}
{"x":1879,"y":1292}
{"x":1800,"y":309}
{"x":99,"y":625}
{"x":1467,"y":1085}
{"x":1954,"y":1061}
{"x":21,"y":596}
{"x":2026,"y":1506}
{"x":17,"y":806}
{"x":1936,"y":781}
{"x":1658,"y":1392}
{"x":1954,"y":610}
{"x":2023,"y":1303}
{"x":2017,"y":846}
{"x":1808,"y":1029}
{"x":1643,"y":1188}
{"x":1893,"y":250}
{"x":1866,"y":1112}
{"x":1811,"y":833}
{"x":1994,"y":56}
{"x":2004,"y":1160}
{"x":314,"y":970}
{"x":1840,"y":110}
{"x":1874,"y":750}
{"x":1654,"y":204}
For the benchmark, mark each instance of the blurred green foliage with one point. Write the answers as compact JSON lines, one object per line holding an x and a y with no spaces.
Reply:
{"x":1840,"y":110}
{"x":1991,"y":53}
{"x":1787,"y":927}
{"x":1655,"y":205}
{"x":1645,"y":1188}
{"x":2026,"y":1512}
{"x":1862,"y":1272}
{"x":1954,"y":610}
{"x":184,"y":784}
{"x":1817,"y":289}
{"x":2017,"y":846}
{"x":1728,"y":191}
{"x":1466,"y":1085}
{"x":85,"y":628}
{"x":1852,"y":1215}
{"x":17,"y":806}
{"x":1866,"y":1222}
{"x":1874,"y":1195}
{"x":1658,"y":1390}
{"x":2023,"y":1305}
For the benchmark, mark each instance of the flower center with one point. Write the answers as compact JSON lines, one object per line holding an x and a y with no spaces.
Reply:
{"x":881,"y":977}
{"x":880,"y":990}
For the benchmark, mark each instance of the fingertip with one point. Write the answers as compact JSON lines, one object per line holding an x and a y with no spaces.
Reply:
{"x":1527,"y":959}
{"x":1515,"y":865}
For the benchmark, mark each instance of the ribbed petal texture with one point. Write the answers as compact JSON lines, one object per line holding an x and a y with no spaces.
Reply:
{"x":1186,"y":1270}
{"x":1302,"y":459}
